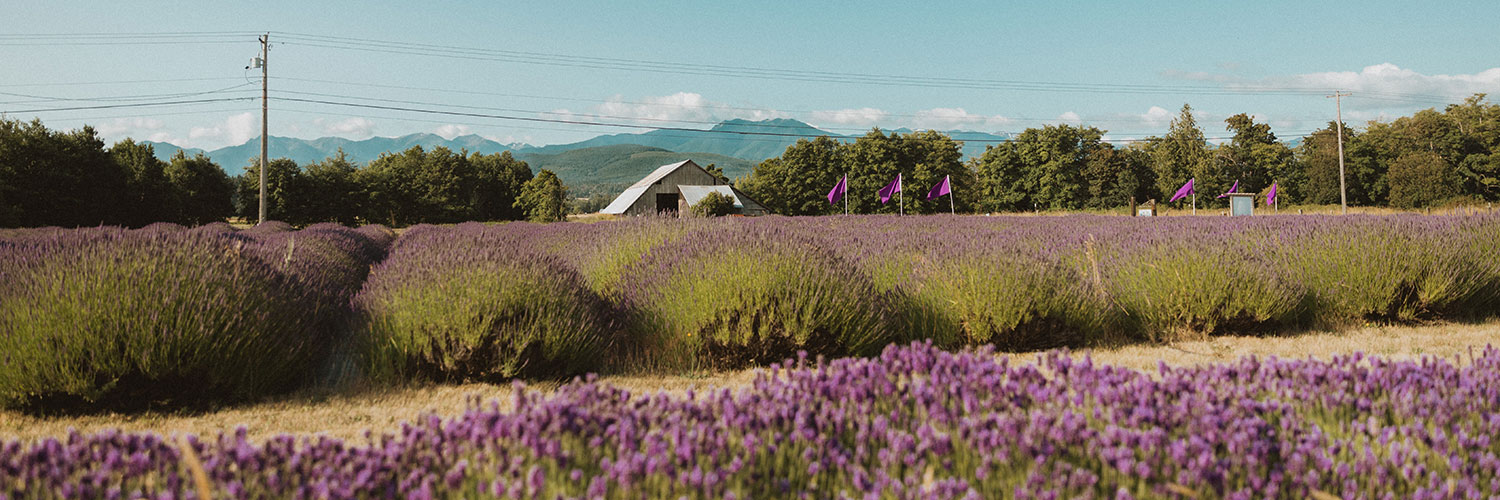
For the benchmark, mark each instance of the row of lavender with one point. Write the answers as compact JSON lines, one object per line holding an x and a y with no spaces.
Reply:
{"x":109,"y":317}
{"x":114,"y":318}
{"x":692,"y":293}
{"x":915,"y":422}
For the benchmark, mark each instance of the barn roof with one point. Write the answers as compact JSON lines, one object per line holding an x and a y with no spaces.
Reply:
{"x":634,"y":192}
{"x":695,"y":193}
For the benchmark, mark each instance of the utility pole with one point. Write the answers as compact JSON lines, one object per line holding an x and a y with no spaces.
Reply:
{"x":265,"y":52}
{"x":1338,"y":105}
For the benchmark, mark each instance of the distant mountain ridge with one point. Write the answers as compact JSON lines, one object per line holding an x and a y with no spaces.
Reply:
{"x":235,"y":159}
{"x":601,"y":165}
{"x":747,"y":140}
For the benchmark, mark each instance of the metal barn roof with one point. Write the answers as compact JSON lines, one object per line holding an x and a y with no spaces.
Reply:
{"x":693,"y":194}
{"x":634,"y":192}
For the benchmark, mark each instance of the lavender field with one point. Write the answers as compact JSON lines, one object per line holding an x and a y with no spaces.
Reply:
{"x":166,"y":316}
{"x":913,"y":422}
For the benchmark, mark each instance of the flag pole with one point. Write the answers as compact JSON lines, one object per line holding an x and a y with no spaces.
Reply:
{"x":846,"y":193}
{"x":949,"y":181}
{"x":900,"y":197}
{"x":1195,"y":202}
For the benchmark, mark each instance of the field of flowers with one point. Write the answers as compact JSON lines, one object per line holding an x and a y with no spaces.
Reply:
{"x":914,"y":422}
{"x":167,"y":316}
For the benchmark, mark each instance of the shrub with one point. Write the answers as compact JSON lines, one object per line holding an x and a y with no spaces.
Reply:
{"x":470,"y":303}
{"x":745,"y":293}
{"x":714,"y":204}
{"x":110,"y":319}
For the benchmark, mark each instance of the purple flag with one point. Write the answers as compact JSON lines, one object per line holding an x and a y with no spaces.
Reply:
{"x":839,"y":190}
{"x":941,"y":189}
{"x":1271,"y":195}
{"x":1183,"y":191}
{"x":890,"y":189}
{"x":1232,"y":189}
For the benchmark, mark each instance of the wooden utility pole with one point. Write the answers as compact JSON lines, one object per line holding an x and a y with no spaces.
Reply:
{"x":1338,"y":105}
{"x":265,"y":52}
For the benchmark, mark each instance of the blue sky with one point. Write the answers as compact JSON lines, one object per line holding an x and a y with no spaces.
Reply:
{"x":1126,"y":67}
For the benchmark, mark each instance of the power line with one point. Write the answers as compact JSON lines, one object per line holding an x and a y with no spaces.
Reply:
{"x":471,"y":53}
{"x":144,"y":97}
{"x":116,"y":106}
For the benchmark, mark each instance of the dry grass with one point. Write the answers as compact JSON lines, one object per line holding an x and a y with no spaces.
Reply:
{"x":348,"y":415}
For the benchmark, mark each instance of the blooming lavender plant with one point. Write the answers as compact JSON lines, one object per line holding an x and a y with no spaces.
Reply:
{"x":914,"y":422}
{"x":108,"y":318}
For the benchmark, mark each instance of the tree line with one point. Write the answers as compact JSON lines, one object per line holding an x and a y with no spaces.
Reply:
{"x":1430,"y":158}
{"x":71,"y":179}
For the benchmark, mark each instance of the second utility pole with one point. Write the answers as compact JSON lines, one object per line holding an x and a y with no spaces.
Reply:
{"x":1338,"y":104}
{"x":265,"y":52}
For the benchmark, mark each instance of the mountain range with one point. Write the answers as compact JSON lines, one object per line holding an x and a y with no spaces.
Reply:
{"x":734,"y":145}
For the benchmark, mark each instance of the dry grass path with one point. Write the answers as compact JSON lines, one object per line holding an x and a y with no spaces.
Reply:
{"x":348,"y":415}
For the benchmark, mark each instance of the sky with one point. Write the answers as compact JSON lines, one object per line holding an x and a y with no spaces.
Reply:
{"x":562,"y":71}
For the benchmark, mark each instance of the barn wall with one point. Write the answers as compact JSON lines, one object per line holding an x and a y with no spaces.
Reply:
{"x":685,"y":174}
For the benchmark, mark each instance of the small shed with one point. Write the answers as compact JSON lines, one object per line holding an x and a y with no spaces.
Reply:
{"x":674,"y":187}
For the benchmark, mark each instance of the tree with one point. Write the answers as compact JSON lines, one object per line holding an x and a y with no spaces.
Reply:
{"x":57,"y":178}
{"x":1254,"y":156}
{"x":283,"y":178}
{"x":148,"y":195}
{"x":1184,"y":154}
{"x":713,"y":204}
{"x":543,"y":198}
{"x":797,"y":182}
{"x":200,"y":190}
{"x":1116,"y":176}
{"x":418,"y":186}
{"x":921,"y":158}
{"x":497,"y":182}
{"x":718,"y":173}
{"x":1421,"y":179}
{"x":331,"y":191}
{"x":1059,"y":167}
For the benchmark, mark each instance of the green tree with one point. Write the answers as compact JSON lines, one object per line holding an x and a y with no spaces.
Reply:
{"x":283,"y":179}
{"x":331,"y":191}
{"x":1059,"y":167}
{"x":921,"y":158}
{"x":1184,"y":154}
{"x":718,"y":173}
{"x":1254,"y":156}
{"x":544,"y":198}
{"x":200,"y":190}
{"x":418,"y":186}
{"x":148,"y":196}
{"x":1421,"y":179}
{"x":57,"y":178}
{"x":497,"y":182}
{"x":713,"y":204}
{"x":1116,"y":176}
{"x":797,"y":182}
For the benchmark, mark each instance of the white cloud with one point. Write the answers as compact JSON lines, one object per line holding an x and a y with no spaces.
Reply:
{"x":1070,"y":118}
{"x":1157,"y":117}
{"x":234,"y":130}
{"x":950,"y":118}
{"x":1378,"y":86}
{"x":860,"y":117}
{"x":665,"y":110}
{"x":451,"y":131}
{"x":137,"y":128}
{"x":352,"y":128}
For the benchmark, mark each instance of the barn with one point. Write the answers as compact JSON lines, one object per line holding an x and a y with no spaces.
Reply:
{"x":673,"y":188}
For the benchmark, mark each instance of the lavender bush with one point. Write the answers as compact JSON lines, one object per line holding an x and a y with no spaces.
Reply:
{"x":473,"y":302}
{"x":108,"y":318}
{"x":914,"y":422}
